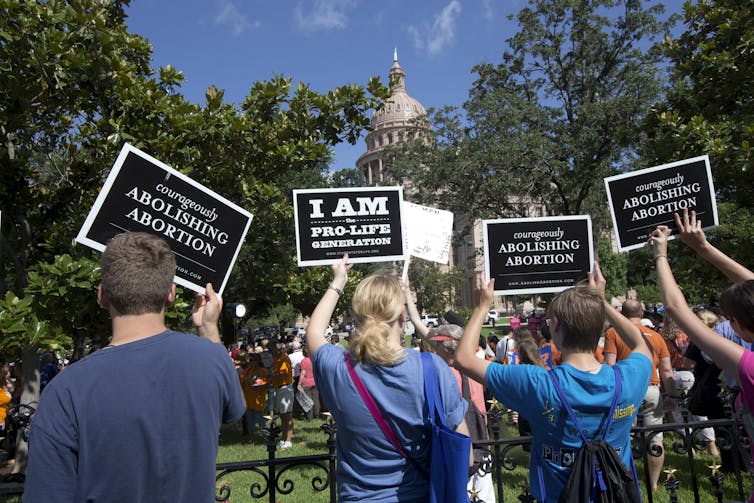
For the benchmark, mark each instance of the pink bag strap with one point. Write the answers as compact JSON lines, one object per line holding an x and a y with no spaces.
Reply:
{"x":377,"y":415}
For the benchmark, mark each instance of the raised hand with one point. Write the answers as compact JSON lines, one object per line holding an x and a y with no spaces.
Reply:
{"x":690,"y":229}
{"x":658,"y":240}
{"x":207,"y":307}
{"x":340,"y":271}
{"x":596,"y":279}
{"x":485,"y":294}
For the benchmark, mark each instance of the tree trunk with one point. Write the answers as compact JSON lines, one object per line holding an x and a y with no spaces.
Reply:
{"x":29,"y":396}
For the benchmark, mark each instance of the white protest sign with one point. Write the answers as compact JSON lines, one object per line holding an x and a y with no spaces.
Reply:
{"x":428,"y":231}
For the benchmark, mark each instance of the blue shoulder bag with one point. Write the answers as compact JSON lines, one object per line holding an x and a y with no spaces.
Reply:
{"x":449,"y":465}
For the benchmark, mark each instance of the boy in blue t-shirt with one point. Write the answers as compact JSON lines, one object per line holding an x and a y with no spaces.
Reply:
{"x":576,"y":317}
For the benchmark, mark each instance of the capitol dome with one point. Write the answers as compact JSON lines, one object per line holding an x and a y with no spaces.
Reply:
{"x":400,"y":109}
{"x":401,"y":118}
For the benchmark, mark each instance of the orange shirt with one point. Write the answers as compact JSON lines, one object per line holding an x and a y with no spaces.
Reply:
{"x":255,"y":384}
{"x":614,"y":344}
{"x":282,"y":371}
{"x":5,"y":398}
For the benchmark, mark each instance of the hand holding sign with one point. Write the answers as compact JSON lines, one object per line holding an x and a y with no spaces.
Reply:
{"x":658,"y":240}
{"x":340,"y":272}
{"x":485,"y":294}
{"x":597,"y":280}
{"x":206,"y":313}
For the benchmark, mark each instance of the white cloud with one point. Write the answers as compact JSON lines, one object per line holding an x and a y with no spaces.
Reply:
{"x":440,"y":34}
{"x":324,"y":15}
{"x":489,"y":12}
{"x":229,"y":15}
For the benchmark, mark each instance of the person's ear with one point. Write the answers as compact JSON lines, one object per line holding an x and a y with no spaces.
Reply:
{"x":102,"y":299}
{"x":171,"y":296}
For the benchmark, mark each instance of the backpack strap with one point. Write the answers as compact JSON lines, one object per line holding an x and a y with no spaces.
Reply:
{"x":432,"y":390}
{"x":377,"y":415}
{"x":465,"y":391}
{"x":608,"y":421}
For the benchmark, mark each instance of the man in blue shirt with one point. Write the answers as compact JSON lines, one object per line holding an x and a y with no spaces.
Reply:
{"x":576,"y":317}
{"x":139,"y":419}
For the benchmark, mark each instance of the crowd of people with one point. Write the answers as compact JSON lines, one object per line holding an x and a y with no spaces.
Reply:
{"x":142,"y":415}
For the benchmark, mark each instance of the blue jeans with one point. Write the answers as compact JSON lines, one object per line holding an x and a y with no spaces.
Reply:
{"x":254,"y":418}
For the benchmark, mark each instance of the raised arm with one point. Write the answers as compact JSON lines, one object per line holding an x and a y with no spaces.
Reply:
{"x":206,"y":313}
{"x":691,"y":233}
{"x":726,"y":354}
{"x":320,"y":319}
{"x":466,"y":360}
{"x":629,"y":332}
{"x":413,"y":313}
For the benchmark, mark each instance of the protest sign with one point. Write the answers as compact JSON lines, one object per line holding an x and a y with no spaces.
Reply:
{"x":642,"y":200}
{"x":429,"y":231}
{"x":366,"y":223}
{"x":537,"y":255}
{"x":204,"y":230}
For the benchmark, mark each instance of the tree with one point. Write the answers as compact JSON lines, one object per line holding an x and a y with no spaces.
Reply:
{"x":708,"y":109}
{"x":87,"y":87}
{"x":435,"y":290}
{"x":560,"y":112}
{"x":74,"y":85}
{"x":613,"y":267}
{"x":58,"y":63}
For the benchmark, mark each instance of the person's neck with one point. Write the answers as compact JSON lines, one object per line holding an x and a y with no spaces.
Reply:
{"x":394,"y":340}
{"x":135,"y":327}
{"x":581,"y":360}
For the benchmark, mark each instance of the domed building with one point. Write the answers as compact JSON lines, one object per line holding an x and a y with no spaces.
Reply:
{"x":402,"y":118}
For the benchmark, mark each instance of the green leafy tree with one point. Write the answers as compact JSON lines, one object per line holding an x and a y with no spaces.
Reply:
{"x":76,"y":85}
{"x":709,"y":109}
{"x":614,"y":267}
{"x":561,"y":111}
{"x":436,"y":290}
{"x":59,"y":62}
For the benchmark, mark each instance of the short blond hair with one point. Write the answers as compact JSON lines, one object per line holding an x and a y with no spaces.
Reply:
{"x":377,"y":304}
{"x":708,"y":317}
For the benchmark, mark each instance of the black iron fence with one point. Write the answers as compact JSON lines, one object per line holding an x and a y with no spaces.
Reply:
{"x":685,"y":439}
{"x":273,"y":477}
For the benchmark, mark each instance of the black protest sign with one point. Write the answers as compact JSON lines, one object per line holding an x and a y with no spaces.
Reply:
{"x":642,"y":200}
{"x":366,"y":223}
{"x":141,"y":194}
{"x":537,"y":255}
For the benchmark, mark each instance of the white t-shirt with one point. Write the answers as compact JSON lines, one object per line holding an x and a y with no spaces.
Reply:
{"x":296,"y":358}
{"x":504,"y":345}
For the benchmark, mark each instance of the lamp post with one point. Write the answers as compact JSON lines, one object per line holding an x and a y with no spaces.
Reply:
{"x":233,"y":313}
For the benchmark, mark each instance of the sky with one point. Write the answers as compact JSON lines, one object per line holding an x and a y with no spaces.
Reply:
{"x":328,"y":43}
